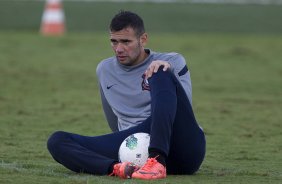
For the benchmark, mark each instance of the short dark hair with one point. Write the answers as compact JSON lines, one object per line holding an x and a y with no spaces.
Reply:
{"x":125,"y":19}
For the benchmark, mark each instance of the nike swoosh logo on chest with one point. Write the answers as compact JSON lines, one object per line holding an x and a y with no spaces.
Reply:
{"x":110,"y":86}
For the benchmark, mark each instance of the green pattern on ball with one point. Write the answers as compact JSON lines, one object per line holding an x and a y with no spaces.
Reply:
{"x":131,"y":142}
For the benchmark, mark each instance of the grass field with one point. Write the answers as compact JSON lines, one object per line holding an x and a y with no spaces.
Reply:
{"x":49,"y":84}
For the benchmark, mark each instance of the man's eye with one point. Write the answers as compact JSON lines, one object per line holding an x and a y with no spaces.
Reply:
{"x":114,"y":42}
{"x":126,"y":41}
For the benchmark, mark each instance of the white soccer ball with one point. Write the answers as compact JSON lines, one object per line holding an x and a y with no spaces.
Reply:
{"x":135,"y":149}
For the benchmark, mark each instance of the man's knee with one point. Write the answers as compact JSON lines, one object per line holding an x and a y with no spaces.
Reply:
{"x":55,"y":141}
{"x":162,"y":80}
{"x":162,"y":74}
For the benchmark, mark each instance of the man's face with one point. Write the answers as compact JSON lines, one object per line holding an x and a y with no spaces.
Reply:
{"x":128,"y":48}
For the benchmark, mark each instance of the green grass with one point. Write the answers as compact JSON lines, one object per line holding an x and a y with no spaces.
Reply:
{"x":49,"y":84}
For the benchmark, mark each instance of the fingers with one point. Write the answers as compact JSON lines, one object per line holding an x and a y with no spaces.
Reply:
{"x":154,"y":67}
{"x":166,"y":66}
{"x":148,"y":72}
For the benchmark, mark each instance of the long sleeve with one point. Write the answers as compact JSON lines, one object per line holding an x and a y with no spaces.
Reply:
{"x":110,"y":116}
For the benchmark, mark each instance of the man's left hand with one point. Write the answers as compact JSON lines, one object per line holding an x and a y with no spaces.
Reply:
{"x":154,"y":67}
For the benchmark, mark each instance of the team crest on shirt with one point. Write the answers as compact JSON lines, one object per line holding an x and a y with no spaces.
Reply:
{"x":145,"y":83}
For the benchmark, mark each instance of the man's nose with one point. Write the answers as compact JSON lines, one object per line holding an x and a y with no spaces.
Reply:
{"x":119,"y":48}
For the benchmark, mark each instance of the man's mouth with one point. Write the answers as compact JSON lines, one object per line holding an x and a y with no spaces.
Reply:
{"x":121,"y":58}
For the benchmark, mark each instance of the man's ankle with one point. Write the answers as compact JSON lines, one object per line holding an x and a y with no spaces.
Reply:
{"x":158,"y":155}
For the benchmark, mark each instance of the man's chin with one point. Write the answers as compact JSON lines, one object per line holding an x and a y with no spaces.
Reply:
{"x":124,"y":62}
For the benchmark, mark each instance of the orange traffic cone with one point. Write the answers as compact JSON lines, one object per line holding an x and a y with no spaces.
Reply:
{"x":53,"y":19}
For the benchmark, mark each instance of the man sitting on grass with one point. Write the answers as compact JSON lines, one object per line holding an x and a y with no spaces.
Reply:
{"x":141,"y":91}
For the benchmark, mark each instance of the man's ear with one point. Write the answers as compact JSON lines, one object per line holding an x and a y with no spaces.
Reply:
{"x":144,"y":39}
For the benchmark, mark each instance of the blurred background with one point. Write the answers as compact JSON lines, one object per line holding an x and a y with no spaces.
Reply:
{"x":244,"y":16}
